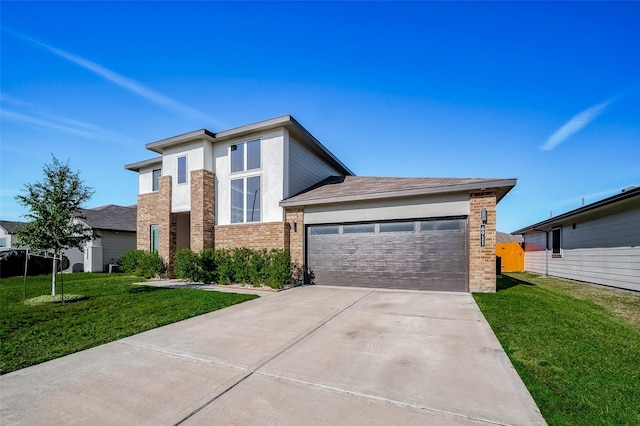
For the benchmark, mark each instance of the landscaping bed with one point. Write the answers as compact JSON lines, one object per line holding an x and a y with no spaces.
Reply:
{"x":575,"y":346}
{"x":112,"y":308}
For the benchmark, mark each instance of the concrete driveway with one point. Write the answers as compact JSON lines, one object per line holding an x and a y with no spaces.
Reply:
{"x":310,"y":355}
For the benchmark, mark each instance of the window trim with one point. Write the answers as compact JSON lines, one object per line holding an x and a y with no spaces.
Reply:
{"x":153,"y":228}
{"x":186,"y":170}
{"x":155,"y":183}
{"x":245,"y":159}
{"x":245,"y":209}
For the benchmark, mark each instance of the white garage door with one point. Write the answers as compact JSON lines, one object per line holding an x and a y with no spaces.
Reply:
{"x":426,"y":254}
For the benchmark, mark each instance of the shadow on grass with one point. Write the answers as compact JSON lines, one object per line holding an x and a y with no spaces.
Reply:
{"x":145,"y":289}
{"x":505,"y":283}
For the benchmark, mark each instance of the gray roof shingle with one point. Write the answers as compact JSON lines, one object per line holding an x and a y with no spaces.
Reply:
{"x":111,"y":217}
{"x":10,"y":225}
{"x":353,"y":188}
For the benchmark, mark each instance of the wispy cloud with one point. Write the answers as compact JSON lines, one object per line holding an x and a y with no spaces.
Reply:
{"x":589,"y":198}
{"x":572,"y":126}
{"x":29,"y":113}
{"x":582,"y":119}
{"x":124,"y":82}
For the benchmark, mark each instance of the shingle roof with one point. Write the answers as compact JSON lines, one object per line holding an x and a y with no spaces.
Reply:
{"x":502,"y":238}
{"x":10,"y":226}
{"x":353,"y":188}
{"x":111,"y":217}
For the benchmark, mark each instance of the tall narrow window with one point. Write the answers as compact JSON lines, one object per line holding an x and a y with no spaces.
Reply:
{"x":155,"y":238}
{"x":245,"y":200}
{"x":556,"y":245}
{"x":253,"y":199}
{"x":182,"y":169}
{"x":156,"y":179}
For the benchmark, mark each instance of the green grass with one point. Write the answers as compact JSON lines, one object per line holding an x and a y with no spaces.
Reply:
{"x":113,"y":309}
{"x":577,"y":351}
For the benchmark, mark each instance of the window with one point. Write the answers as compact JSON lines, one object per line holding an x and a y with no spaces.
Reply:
{"x":245,"y":156}
{"x":556,"y":247}
{"x":182,"y":169}
{"x":3,"y":242}
{"x":245,"y":200}
{"x":440,"y":225}
{"x":156,"y":179}
{"x":155,"y":238}
{"x":397,"y":227}
{"x":358,"y":229}
{"x":324,"y":230}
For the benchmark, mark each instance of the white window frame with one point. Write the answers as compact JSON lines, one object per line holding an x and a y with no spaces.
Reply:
{"x":245,"y":209}
{"x":557,"y":254}
{"x":186,"y":170}
{"x":245,"y":153}
{"x":151,"y":239}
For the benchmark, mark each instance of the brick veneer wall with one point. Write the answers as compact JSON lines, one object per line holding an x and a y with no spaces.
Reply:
{"x":252,"y":235}
{"x":296,"y":238}
{"x":482,"y":260}
{"x":202,"y":209}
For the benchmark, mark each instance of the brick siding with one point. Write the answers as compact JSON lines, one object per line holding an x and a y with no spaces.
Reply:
{"x":296,"y":238}
{"x":202,"y":209}
{"x":482,"y":260}
{"x":252,"y":235}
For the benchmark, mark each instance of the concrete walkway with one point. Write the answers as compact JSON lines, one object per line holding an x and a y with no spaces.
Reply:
{"x":310,"y":355}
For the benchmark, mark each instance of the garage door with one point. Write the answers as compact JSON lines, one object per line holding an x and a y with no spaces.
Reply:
{"x":420,"y":254}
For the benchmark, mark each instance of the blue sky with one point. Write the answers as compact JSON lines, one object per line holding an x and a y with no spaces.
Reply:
{"x":548,"y":93}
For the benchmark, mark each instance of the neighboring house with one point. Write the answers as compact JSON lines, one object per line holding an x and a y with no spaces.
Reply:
{"x":8,"y":238}
{"x":115,"y":228}
{"x":509,"y":250}
{"x":597,"y":243}
{"x":273,"y":185}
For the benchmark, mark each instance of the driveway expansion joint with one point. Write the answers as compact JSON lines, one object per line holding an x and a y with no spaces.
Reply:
{"x":271,"y":358}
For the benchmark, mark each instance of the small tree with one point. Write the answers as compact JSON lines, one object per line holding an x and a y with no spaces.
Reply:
{"x":55,"y":205}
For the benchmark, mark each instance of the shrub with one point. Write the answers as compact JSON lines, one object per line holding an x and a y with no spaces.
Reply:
{"x":240,"y":258}
{"x":130,"y":261}
{"x":186,"y":265}
{"x":224,"y":262}
{"x":279,"y":268}
{"x":208,"y":266}
{"x":257,"y":268}
{"x":142,"y":263}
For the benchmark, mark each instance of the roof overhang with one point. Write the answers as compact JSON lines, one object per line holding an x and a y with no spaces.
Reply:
{"x":589,"y":209}
{"x":144,"y":163}
{"x":161,"y":145}
{"x":500,"y":186}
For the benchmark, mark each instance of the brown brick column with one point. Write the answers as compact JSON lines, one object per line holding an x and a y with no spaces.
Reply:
{"x":482,"y":260}
{"x":147,"y":216}
{"x":296,"y":238}
{"x":167,"y":222}
{"x":202,"y":209}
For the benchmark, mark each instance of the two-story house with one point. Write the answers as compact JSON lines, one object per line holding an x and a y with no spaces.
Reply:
{"x":274,"y":185}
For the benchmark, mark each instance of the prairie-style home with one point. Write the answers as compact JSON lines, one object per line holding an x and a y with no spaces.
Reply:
{"x":272,"y":184}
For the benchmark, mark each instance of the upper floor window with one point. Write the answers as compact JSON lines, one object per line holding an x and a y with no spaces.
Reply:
{"x":182,"y":169}
{"x":245,"y":156}
{"x":155,"y":185}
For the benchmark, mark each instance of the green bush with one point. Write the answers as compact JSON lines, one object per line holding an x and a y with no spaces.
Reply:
{"x":130,"y":261}
{"x":241,"y":265}
{"x":186,"y":265}
{"x":257,"y":268}
{"x":208,"y":266}
{"x":279,"y":268}
{"x":224,"y":263}
{"x":142,"y":263}
{"x":240,"y":259}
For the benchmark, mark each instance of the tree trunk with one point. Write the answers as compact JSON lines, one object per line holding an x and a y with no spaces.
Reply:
{"x":53,"y":275}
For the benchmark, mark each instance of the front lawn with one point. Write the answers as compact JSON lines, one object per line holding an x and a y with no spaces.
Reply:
{"x":577,"y":349}
{"x":113,"y":309}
